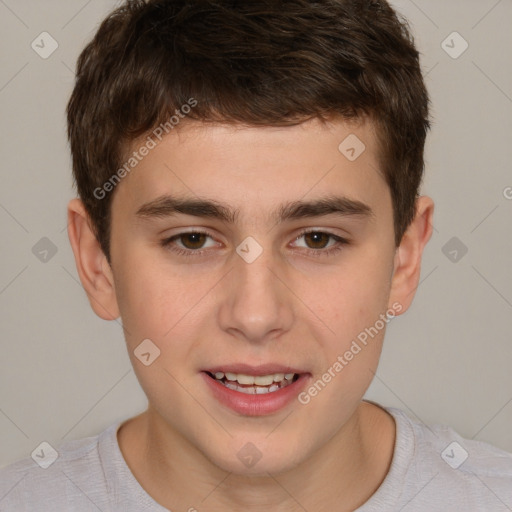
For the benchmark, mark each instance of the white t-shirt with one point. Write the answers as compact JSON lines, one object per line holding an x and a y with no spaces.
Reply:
{"x":433,"y":469}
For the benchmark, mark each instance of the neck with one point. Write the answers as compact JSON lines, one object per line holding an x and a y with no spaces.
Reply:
{"x":341,"y":475}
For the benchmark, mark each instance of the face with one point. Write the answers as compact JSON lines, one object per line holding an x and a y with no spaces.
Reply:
{"x":238,"y":288}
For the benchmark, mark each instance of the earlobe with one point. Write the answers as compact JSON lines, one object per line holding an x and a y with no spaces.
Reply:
{"x":407,"y":263}
{"x":91,"y":263}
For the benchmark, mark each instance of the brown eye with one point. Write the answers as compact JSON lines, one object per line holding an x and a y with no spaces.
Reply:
{"x":318,"y":243}
{"x":192,"y":240}
{"x":188,"y":243}
{"x":318,"y":239}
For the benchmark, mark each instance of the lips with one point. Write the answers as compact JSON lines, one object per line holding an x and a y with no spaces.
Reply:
{"x":255,"y":390}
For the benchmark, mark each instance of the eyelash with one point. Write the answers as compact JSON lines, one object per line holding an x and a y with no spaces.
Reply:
{"x":341,"y":242}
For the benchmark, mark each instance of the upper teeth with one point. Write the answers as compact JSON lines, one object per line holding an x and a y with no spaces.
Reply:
{"x":260,"y":380}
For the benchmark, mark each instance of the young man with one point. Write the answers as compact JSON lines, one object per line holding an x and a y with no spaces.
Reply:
{"x":248,"y":175}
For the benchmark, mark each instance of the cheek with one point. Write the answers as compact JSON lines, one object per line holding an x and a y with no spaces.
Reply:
{"x":356,"y":295}
{"x":149,"y":298}
{"x":160,"y":301}
{"x":353,"y":305}
{"x":156,"y":304}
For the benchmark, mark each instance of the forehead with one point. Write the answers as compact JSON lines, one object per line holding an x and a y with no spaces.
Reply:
{"x":257,"y":168}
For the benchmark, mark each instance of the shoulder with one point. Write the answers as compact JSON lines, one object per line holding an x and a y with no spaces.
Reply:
{"x":444,"y":446}
{"x":446,"y":468}
{"x":57,"y":478}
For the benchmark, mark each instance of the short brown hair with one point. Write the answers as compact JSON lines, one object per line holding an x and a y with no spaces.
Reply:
{"x":255,"y":62}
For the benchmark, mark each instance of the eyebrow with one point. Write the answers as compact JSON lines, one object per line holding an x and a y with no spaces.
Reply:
{"x":167,"y":205}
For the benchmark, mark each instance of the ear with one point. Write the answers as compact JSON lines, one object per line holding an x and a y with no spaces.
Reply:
{"x":91,"y":263}
{"x":407,"y":264}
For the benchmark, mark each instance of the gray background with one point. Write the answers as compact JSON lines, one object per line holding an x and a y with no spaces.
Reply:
{"x":65,"y":373}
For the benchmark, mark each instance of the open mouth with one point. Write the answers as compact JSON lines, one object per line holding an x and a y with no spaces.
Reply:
{"x":254,"y":385}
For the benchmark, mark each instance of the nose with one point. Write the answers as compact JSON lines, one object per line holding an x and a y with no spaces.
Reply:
{"x":257,"y":303}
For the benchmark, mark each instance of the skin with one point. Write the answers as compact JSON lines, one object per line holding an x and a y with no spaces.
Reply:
{"x":288,"y":306}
